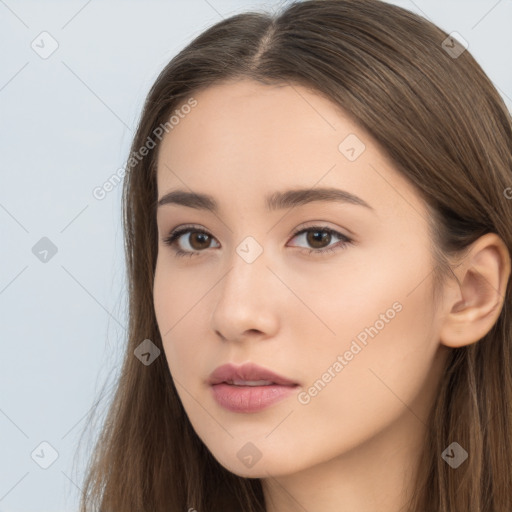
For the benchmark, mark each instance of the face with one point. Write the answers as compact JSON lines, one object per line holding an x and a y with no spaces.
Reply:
{"x":333,"y":294}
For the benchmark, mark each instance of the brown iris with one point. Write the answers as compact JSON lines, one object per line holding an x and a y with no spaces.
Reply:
{"x":203,"y":240}
{"x":318,"y":237}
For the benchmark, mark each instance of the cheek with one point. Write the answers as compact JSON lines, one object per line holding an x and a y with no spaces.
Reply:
{"x":176,"y":297}
{"x":386,"y":353}
{"x":385,"y":336}
{"x":173,"y":305}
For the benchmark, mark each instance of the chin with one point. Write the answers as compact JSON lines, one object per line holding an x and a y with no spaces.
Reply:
{"x":264,"y":467}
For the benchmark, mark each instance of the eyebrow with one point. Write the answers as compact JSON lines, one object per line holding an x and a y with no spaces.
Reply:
{"x":273,"y":202}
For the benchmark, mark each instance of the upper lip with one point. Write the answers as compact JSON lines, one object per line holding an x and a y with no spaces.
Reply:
{"x":246,"y":372}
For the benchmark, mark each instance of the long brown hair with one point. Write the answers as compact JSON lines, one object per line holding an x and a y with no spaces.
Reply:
{"x":440,"y":120}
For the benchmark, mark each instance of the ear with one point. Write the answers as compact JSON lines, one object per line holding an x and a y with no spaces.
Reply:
{"x":472,"y":306}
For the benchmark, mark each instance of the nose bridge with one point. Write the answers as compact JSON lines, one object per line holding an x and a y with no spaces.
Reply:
{"x":247,"y":269}
{"x":243,"y":297}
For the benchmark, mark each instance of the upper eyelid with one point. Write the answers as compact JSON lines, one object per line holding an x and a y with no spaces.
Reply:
{"x":301,"y":227}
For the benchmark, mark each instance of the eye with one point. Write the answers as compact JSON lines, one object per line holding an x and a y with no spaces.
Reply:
{"x":201,"y":240}
{"x":316,"y":236}
{"x":319,"y":235}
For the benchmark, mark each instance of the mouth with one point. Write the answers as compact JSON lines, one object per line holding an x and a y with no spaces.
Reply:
{"x":250,"y":398}
{"x":248,"y":374}
{"x":248,"y":388}
{"x":251,"y":383}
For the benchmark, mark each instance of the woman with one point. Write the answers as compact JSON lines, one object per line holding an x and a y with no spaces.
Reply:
{"x":318,"y":234}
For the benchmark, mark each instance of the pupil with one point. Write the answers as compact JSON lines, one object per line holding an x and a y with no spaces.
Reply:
{"x":205,"y":239}
{"x":313,"y":239}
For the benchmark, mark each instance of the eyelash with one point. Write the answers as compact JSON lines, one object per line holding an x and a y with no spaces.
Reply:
{"x":176,"y":234}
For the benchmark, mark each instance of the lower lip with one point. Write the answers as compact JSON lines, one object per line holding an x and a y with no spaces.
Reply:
{"x":249,"y":398}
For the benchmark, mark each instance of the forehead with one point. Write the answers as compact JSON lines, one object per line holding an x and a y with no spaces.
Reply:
{"x":254,"y":139}
{"x":243,"y":113}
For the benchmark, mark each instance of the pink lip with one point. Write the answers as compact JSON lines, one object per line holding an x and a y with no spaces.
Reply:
{"x":247,"y":371}
{"x":246,"y":399}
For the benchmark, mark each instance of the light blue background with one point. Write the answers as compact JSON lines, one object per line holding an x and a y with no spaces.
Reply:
{"x":66,"y":125}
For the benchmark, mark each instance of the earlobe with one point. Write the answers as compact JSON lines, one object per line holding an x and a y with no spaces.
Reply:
{"x":473,"y":307}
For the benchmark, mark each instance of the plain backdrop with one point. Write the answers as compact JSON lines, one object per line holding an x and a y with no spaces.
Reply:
{"x":66,"y":120}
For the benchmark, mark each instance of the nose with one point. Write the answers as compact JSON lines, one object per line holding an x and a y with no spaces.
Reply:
{"x":247,"y":301}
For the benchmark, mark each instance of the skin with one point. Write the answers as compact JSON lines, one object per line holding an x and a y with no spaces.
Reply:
{"x":355,"y":445}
